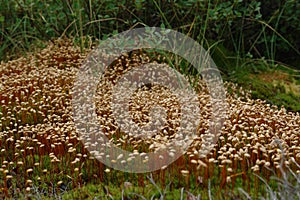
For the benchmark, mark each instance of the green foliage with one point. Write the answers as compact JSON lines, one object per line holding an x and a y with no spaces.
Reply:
{"x":245,"y":27}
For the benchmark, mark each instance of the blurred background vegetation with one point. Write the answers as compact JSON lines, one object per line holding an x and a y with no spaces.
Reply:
{"x":254,"y":43}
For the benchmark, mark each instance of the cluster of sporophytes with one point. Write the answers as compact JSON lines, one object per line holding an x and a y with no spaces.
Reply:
{"x":40,"y":146}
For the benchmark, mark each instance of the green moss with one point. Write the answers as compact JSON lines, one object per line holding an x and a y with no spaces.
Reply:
{"x":277,"y":86}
